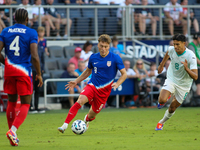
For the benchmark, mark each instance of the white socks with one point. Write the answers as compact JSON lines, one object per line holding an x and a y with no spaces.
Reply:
{"x":64,"y":126}
{"x":14,"y":129}
{"x":166,"y":116}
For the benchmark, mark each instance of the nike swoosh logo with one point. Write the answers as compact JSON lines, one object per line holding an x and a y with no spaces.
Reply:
{"x":96,"y":63}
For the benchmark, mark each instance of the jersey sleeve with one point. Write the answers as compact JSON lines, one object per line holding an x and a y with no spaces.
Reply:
{"x":180,"y":9}
{"x":45,"y":41}
{"x":35,"y":10}
{"x":192,"y":61}
{"x":170,"y":50}
{"x":166,"y":8}
{"x":119,"y":62}
{"x":90,"y":62}
{"x":34,"y":37}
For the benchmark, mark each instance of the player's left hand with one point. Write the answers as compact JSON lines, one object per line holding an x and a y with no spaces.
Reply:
{"x":39,"y":77}
{"x":115,"y":86}
{"x":185,"y":63}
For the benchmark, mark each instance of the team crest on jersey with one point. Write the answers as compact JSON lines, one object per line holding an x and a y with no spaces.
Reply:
{"x":108,"y":63}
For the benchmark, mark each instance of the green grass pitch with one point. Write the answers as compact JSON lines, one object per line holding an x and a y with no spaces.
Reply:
{"x":113,"y":129}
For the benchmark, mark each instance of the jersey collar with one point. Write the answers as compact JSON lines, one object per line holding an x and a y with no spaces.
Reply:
{"x":181,"y":54}
{"x":19,"y":24}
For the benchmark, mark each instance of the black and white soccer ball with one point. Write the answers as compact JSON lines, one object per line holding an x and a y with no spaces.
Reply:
{"x":78,"y":127}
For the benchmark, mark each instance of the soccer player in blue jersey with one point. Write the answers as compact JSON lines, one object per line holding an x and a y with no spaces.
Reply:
{"x":103,"y":66}
{"x":20,"y":43}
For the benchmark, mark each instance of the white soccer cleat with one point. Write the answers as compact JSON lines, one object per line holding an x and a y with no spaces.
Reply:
{"x":87,"y":123}
{"x":60,"y":129}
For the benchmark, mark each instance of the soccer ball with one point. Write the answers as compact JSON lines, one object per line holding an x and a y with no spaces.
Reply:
{"x":78,"y":127}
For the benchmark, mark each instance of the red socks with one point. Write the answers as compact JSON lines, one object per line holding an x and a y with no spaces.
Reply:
{"x":10,"y":113}
{"x":21,"y":115}
{"x":72,"y":112}
{"x":88,"y":119}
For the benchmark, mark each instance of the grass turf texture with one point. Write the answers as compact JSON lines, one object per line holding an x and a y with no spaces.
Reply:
{"x":118,"y":129}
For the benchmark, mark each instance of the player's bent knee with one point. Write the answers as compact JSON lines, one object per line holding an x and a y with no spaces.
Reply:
{"x":82,"y":100}
{"x":161,"y":100}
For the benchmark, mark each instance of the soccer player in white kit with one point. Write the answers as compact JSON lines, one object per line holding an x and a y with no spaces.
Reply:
{"x":181,"y":72}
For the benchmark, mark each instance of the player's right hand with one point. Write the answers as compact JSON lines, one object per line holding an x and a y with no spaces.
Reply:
{"x":160,"y":69}
{"x":39,"y":77}
{"x":70,"y":85}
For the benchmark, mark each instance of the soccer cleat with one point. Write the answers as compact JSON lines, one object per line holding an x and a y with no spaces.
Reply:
{"x":87,"y":123}
{"x":14,"y":141}
{"x":159,"y":127}
{"x":160,"y":105}
{"x":60,"y":129}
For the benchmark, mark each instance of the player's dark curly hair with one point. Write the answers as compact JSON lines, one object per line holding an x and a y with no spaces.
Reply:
{"x":179,"y":37}
{"x":21,"y":15}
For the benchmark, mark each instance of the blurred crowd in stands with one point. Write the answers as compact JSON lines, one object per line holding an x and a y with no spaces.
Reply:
{"x":55,"y":20}
{"x":70,"y":61}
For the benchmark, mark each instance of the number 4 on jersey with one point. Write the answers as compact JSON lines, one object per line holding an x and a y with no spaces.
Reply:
{"x":15,"y":46}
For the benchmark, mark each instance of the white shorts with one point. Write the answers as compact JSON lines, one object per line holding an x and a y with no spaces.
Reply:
{"x":148,"y":21}
{"x":179,"y":92}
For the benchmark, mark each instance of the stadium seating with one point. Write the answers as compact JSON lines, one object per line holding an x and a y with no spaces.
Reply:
{"x":111,"y":25}
{"x":82,"y":27}
{"x":55,"y":74}
{"x":95,"y":49}
{"x":103,"y":12}
{"x":101,"y":26}
{"x":51,"y":65}
{"x":75,"y":13}
{"x":69,"y":51}
{"x":88,"y":12}
{"x":62,"y":63}
{"x":83,"y":23}
{"x":56,"y":51}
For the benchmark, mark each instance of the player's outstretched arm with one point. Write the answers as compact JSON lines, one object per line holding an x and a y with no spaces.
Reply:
{"x":121,"y":79}
{"x":2,"y":60}
{"x":82,"y":77}
{"x":36,"y":62}
{"x":161,"y":66}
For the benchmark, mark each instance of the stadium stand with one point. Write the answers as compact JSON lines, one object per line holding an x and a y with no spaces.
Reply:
{"x":83,"y":25}
{"x":69,"y":51}
{"x":50,"y":65}
{"x":62,"y":63}
{"x":55,"y":74}
{"x":56,"y":51}
{"x":83,"y":19}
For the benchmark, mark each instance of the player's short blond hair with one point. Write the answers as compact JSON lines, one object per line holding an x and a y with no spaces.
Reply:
{"x":105,"y":38}
{"x":40,"y":29}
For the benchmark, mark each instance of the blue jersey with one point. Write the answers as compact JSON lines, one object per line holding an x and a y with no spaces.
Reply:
{"x":17,"y":40}
{"x":104,"y":69}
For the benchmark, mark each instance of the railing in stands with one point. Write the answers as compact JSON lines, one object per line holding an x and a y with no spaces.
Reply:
{"x":125,"y":32}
